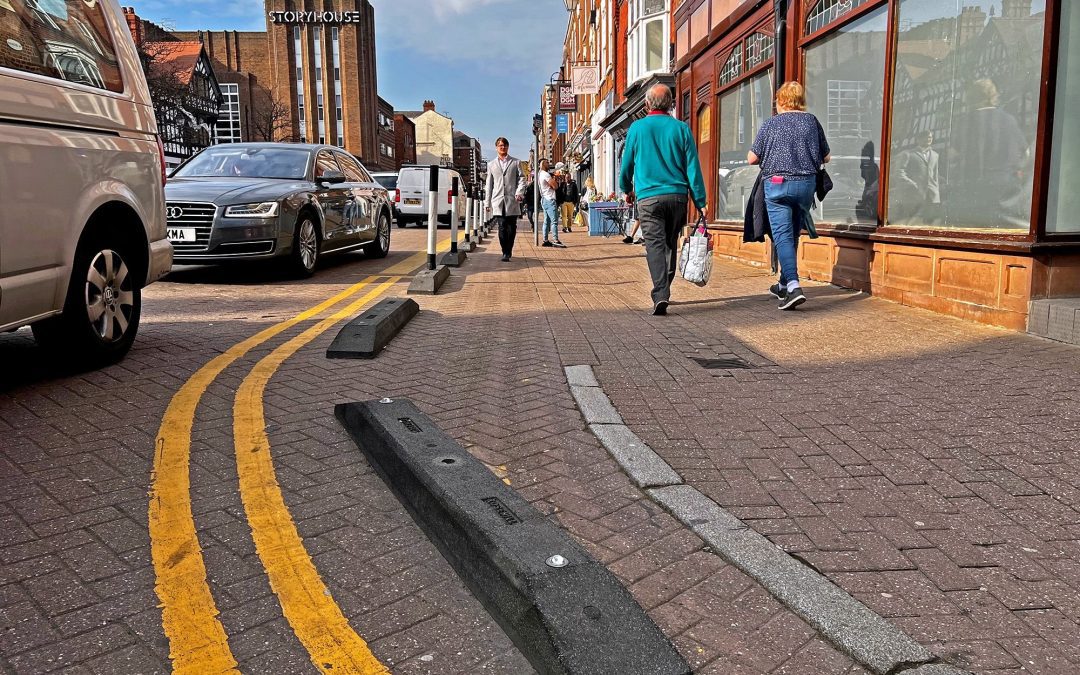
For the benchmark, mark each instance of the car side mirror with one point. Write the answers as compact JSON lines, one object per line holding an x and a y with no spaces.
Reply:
{"x":332,"y":178}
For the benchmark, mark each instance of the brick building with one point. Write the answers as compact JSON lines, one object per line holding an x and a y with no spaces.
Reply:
{"x":387,"y":139}
{"x":404,"y":140}
{"x":309,"y":77}
{"x":468,"y":159}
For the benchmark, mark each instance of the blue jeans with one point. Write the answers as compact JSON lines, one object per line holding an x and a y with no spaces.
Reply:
{"x":551,"y":217}
{"x":788,"y":204}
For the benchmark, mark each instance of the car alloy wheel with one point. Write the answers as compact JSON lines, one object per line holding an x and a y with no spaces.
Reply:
{"x":110,"y":300}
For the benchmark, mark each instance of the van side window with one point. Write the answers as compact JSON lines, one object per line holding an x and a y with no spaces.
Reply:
{"x":66,"y":40}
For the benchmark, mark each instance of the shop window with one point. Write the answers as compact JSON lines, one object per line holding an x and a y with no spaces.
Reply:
{"x":742,"y":110}
{"x":845,"y":76}
{"x":704,"y":126}
{"x":965,"y":114}
{"x":1063,"y":207}
{"x":732,"y":68}
{"x":827,"y":11}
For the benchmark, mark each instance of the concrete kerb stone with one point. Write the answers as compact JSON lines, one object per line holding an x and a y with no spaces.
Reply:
{"x":843,"y":620}
{"x":840,"y":618}
{"x":595,"y":406}
{"x":645,"y":468}
{"x":581,"y":376}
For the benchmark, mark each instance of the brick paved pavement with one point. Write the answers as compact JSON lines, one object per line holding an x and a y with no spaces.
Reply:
{"x":76,"y":583}
{"x":920,"y":462}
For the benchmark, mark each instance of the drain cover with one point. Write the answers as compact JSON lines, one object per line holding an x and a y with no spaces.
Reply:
{"x":726,"y":363}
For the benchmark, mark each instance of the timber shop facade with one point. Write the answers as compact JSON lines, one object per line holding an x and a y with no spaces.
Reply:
{"x":954,"y":156}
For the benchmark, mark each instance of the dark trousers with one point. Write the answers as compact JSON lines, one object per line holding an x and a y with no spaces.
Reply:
{"x":507,"y":233}
{"x":661,"y":220}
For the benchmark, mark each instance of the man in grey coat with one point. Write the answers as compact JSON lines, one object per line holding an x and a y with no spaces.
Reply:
{"x":505,"y":190}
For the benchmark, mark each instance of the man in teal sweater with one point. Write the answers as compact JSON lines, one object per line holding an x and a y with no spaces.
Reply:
{"x":659,"y":169}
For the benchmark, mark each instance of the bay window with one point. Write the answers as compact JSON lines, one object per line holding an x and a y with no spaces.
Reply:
{"x":647,"y":39}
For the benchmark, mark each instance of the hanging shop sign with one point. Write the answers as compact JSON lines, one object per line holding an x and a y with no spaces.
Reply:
{"x":586,"y":79}
{"x":562,"y":124}
{"x":567,"y":100}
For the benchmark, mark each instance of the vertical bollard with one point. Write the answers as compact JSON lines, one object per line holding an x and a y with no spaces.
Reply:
{"x":433,"y":213}
{"x":468,"y":215}
{"x":453,"y":214}
{"x":476,"y":217}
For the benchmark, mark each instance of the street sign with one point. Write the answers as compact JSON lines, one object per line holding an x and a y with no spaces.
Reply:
{"x":562,"y":124}
{"x":567,"y":100}
{"x":586,"y":79}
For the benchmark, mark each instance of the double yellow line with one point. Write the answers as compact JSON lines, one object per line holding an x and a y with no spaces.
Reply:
{"x":197,"y":640}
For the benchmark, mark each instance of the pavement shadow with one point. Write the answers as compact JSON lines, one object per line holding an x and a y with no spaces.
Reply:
{"x":243,"y":273}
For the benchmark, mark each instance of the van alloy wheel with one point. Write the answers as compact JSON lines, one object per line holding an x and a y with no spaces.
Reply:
{"x":110,"y":299}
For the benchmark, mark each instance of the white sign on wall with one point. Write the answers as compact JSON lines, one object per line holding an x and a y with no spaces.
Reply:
{"x":585,"y":79}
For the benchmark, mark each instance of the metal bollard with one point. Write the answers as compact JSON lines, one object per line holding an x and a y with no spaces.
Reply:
{"x":433,"y":213}
{"x":453,"y":214}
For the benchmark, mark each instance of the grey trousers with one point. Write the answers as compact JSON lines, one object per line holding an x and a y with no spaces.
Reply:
{"x":662,"y":218}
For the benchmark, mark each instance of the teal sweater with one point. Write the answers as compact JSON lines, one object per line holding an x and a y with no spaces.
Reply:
{"x":661,"y":158}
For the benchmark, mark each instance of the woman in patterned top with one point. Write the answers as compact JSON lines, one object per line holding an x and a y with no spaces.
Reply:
{"x":790,"y":147}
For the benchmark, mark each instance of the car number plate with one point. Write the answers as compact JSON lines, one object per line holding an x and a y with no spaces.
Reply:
{"x":182,"y":234}
{"x":412,"y":202}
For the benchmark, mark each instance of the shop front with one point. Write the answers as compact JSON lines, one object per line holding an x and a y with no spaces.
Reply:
{"x":947,"y":122}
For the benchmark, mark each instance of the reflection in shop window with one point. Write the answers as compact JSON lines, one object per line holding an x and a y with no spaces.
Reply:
{"x":965,"y":113}
{"x":1063,"y":207}
{"x":845,"y":76}
{"x":827,"y":11}
{"x":743,"y":109}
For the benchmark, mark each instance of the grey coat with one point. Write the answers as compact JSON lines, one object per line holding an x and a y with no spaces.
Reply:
{"x":504,"y":187}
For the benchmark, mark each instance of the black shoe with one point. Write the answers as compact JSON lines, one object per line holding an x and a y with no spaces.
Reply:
{"x":559,"y":244}
{"x":628,"y":240}
{"x":547,"y":243}
{"x":792,"y":299}
{"x":779,"y":291}
{"x":505,"y":258}
{"x":660,"y":308}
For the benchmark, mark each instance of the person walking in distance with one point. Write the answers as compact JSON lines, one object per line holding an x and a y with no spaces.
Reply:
{"x":548,"y":185}
{"x":659,"y":167}
{"x":571,"y":194}
{"x":504,"y":192}
{"x":790,"y":147}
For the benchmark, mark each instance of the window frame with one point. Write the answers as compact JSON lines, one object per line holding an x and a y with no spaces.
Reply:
{"x":636,"y":43}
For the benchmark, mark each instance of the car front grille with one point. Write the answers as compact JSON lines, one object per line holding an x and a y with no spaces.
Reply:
{"x":199,"y":215}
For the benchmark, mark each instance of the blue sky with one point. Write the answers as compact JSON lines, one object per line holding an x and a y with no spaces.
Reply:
{"x":483,"y":62}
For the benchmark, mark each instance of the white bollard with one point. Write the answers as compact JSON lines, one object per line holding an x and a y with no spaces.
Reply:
{"x":453,"y":214}
{"x":433,"y":213}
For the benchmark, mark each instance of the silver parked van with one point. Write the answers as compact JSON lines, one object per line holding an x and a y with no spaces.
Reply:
{"x":82,"y":223}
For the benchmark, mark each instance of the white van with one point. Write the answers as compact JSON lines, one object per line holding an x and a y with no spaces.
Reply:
{"x":82,"y":228}
{"x":413,"y":186}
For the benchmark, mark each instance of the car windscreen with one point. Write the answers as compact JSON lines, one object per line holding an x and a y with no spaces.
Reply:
{"x":389,"y":182}
{"x":230,"y":161}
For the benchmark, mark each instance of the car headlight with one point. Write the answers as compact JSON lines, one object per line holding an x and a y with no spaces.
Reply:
{"x":264,"y":210}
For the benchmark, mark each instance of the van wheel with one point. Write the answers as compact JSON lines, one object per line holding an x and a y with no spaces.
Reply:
{"x":381,"y":246}
{"x":102,"y":310}
{"x":305,"y":252}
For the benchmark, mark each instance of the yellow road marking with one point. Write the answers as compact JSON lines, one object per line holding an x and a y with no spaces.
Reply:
{"x":306,"y":602}
{"x":189,"y":616}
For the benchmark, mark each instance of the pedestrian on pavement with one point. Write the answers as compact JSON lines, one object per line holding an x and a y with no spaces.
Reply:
{"x":659,"y":167}
{"x":568,"y":196}
{"x":530,"y":206}
{"x":548,"y":185}
{"x":791,"y":148}
{"x":505,"y":190}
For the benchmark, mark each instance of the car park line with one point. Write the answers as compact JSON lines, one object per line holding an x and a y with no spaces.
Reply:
{"x":197,"y":640}
{"x":305,"y":601}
